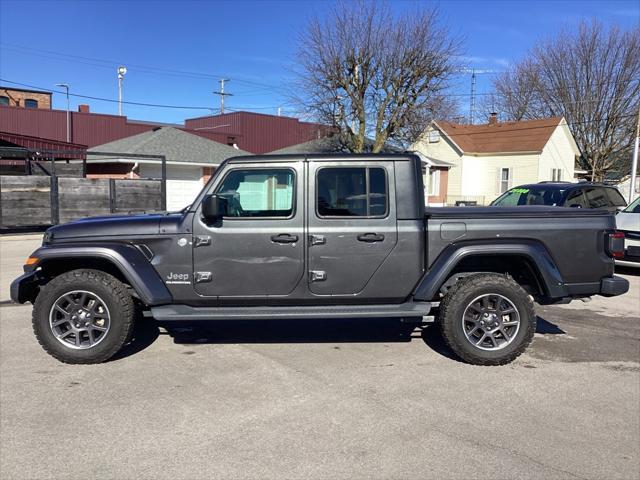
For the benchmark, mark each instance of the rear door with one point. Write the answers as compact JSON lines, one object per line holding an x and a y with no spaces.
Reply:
{"x":352,"y":224}
{"x":258,"y":248}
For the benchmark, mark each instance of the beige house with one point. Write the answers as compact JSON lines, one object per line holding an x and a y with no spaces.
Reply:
{"x":486,"y":160}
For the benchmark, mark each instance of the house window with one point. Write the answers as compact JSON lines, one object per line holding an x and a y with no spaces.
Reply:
{"x":434,"y":136}
{"x":30,"y":103}
{"x":556,"y":174}
{"x":4,"y":100}
{"x":504,"y":180}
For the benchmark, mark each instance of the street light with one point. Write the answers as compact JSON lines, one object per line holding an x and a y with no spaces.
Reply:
{"x":66,"y":86}
{"x":121,"y":71}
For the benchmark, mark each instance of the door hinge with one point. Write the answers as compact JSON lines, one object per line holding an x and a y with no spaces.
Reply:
{"x":317,"y":276}
{"x":317,"y":240}
{"x":201,"y":241}
{"x":201,"y":277}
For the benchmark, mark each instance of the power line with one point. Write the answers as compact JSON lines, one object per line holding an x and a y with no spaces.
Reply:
{"x":156,"y":105}
{"x":141,"y":68}
{"x":90,"y":97}
{"x":142,"y":104}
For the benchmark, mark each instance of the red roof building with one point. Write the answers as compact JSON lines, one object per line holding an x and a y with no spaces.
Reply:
{"x":252,"y":132}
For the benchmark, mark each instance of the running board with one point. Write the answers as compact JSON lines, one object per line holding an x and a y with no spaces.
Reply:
{"x":185,"y":312}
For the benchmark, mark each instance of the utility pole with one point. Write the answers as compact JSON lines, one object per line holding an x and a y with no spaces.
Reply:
{"x":472,"y":106}
{"x":66,"y":86}
{"x":222,"y":93}
{"x":121,"y":71}
{"x":634,"y":162}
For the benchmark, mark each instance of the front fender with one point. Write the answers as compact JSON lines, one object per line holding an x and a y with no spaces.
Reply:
{"x":133,"y":265}
{"x":453,"y":254}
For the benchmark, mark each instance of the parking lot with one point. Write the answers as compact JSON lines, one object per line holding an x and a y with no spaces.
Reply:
{"x":323,"y":399}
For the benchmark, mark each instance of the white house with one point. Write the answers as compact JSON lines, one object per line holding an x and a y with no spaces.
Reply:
{"x":486,"y":160}
{"x":190,"y":161}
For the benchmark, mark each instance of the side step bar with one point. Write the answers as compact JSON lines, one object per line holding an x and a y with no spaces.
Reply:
{"x":185,"y":312}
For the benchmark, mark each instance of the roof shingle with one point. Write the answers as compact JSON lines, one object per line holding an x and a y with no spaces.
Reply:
{"x":176,"y":145}
{"x":507,"y":137}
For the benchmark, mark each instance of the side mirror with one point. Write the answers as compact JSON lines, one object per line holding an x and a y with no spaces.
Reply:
{"x":214,"y":208}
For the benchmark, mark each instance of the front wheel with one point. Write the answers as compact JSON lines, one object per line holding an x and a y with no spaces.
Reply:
{"x":487,"y":319}
{"x":83,"y":316}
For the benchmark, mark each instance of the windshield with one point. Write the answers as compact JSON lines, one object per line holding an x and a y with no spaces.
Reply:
{"x":634,"y":207}
{"x":538,"y":195}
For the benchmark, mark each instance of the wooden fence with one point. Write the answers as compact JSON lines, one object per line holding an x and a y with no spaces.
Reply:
{"x":32,"y":200}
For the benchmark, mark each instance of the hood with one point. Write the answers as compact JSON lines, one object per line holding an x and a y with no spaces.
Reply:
{"x":629,"y":222}
{"x":111,"y":226}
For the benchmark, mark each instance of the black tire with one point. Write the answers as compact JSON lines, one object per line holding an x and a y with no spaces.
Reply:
{"x":462,"y":294}
{"x":114,"y":295}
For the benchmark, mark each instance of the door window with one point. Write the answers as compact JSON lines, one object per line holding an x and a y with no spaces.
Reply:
{"x":352,"y":192}
{"x":258,"y":192}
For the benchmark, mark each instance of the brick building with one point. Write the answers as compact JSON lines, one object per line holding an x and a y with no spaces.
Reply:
{"x":19,"y":97}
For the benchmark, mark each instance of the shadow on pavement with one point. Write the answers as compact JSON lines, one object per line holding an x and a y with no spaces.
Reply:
{"x":296,"y":331}
{"x":269,"y":331}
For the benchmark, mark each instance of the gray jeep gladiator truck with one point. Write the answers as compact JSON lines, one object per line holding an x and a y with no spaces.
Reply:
{"x":318,"y":236}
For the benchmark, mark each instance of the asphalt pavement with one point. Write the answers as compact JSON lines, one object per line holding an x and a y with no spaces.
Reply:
{"x":323,"y":399}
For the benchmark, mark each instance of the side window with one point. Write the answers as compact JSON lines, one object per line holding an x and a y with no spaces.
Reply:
{"x":4,"y":100}
{"x":615,"y":197}
{"x":259,"y":192}
{"x":30,"y":103}
{"x":575,"y":198}
{"x":352,"y":192}
{"x":596,"y":197}
{"x":504,"y":180}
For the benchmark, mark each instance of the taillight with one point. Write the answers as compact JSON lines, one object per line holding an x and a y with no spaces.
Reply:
{"x":615,"y":244}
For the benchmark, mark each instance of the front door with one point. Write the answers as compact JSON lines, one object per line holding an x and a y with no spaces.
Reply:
{"x":258,"y":248}
{"x":352,"y":224}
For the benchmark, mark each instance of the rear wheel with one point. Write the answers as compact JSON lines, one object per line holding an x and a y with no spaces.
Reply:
{"x":487,"y":319}
{"x":83,"y":316}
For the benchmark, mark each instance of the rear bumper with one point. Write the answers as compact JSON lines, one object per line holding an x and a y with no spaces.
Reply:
{"x":612,"y":286}
{"x":25,"y":288}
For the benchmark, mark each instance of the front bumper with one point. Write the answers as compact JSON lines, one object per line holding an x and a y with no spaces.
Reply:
{"x":612,"y":286}
{"x":25,"y":288}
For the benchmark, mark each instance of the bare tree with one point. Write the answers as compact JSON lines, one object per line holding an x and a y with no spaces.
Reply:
{"x":372,"y":75}
{"x":592,"y":78}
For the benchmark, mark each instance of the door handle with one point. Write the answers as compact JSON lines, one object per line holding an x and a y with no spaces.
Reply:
{"x":284,"y":238}
{"x":370,"y":237}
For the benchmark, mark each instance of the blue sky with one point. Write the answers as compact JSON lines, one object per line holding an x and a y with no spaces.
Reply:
{"x":176,"y":50}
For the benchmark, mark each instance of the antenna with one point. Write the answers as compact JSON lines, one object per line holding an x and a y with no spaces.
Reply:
{"x":222,"y":93}
{"x":472,"y":106}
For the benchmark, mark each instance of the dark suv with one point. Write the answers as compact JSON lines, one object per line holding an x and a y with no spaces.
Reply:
{"x":564,"y":194}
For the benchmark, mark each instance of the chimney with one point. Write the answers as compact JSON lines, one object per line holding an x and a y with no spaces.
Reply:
{"x":83,"y":108}
{"x":493,"y":118}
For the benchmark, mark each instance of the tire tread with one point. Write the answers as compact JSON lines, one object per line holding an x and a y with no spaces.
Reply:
{"x":454,"y":297}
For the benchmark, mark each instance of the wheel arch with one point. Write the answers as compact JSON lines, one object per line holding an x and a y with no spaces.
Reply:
{"x":124,"y":262}
{"x":528,"y":262}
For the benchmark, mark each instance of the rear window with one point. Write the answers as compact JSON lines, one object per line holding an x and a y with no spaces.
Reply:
{"x":530,"y":196}
{"x":615,"y":197}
